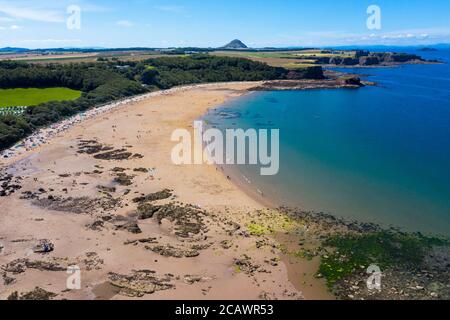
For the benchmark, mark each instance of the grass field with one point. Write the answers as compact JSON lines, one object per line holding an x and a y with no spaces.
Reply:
{"x":287,"y":59}
{"x":33,"y":96}
{"x":67,"y":58}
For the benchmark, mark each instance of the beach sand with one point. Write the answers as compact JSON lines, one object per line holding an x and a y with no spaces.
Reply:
{"x":229,"y":263}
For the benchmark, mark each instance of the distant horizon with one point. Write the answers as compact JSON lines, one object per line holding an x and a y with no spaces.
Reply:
{"x":37,"y":24}
{"x":219,"y":47}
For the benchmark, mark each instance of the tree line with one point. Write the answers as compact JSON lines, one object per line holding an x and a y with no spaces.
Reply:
{"x":106,"y":81}
{"x":99,"y":84}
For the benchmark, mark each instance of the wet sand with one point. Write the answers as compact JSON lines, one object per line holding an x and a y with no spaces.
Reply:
{"x":230,"y":262}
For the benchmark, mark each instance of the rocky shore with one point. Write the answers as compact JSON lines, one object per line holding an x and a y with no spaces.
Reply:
{"x":413,"y":266}
{"x":332,"y":80}
{"x":105,"y":197}
{"x":363,"y":58}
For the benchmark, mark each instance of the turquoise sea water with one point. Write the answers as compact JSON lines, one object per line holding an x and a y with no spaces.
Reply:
{"x":378,"y":154}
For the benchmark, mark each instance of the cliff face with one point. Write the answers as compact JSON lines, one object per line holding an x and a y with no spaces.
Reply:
{"x":369,"y":61}
{"x":306,"y":73}
{"x":365,"y":58}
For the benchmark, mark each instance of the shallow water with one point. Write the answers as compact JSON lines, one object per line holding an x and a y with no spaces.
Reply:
{"x":378,"y":154}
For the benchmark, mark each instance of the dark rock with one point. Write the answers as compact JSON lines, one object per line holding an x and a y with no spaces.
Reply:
{"x":131,"y":226}
{"x":123,"y":179}
{"x":140,"y":283}
{"x":161,"y":195}
{"x":147,"y":211}
{"x":175,"y":252}
{"x":36,"y":294}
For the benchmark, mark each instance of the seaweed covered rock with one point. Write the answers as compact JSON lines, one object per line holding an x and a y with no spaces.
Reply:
{"x":140,"y":283}
{"x":21,"y":265}
{"x":124,"y":179}
{"x":81,"y":205}
{"x":188,"y":219}
{"x":174,"y":252}
{"x":36,"y":294}
{"x":130,"y":226}
{"x":147,"y":211}
{"x":161,"y":195}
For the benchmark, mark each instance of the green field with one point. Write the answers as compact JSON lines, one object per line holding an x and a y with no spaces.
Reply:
{"x":34,"y":96}
{"x":288,"y":59}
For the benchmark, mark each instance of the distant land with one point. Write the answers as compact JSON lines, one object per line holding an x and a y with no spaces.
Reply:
{"x":235,"y":44}
{"x":428,"y":49}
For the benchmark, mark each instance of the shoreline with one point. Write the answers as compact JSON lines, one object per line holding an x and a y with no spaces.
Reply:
{"x":236,"y":248}
{"x":420,"y":287}
{"x":57,"y":180}
{"x":52,"y":131}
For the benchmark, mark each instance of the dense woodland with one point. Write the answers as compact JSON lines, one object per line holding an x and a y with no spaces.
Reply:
{"x":99,"y":84}
{"x":105,"y":81}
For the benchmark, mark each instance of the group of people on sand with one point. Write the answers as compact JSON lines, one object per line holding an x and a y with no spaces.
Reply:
{"x":44,"y":135}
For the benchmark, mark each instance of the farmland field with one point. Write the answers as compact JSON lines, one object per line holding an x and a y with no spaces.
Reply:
{"x":67,"y":58}
{"x":34,"y":96}
{"x":287,"y":59}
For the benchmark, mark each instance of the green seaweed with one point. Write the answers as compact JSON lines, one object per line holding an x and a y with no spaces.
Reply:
{"x":305,"y":254}
{"x":258,"y":230}
{"x":385,"y":249}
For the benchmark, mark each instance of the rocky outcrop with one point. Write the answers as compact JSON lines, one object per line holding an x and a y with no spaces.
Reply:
{"x":235,"y":44}
{"x":350,"y":61}
{"x":315,"y":72}
{"x":36,"y":294}
{"x":140,"y":283}
{"x":351,"y":80}
{"x":9,"y":184}
{"x":366,"y":58}
{"x":161,"y":195}
{"x":369,"y":61}
{"x":188,"y":220}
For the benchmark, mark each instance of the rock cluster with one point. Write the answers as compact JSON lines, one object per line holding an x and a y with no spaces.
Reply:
{"x":9,"y":184}
{"x":82,"y":205}
{"x":36,"y":294}
{"x":140,"y":283}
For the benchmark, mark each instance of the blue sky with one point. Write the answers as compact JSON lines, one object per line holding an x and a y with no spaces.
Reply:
{"x":259,"y":23}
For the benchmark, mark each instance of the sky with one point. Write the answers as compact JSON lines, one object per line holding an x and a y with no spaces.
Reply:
{"x":213,"y":23}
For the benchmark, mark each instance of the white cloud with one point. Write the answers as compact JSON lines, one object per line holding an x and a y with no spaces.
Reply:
{"x":43,"y":11}
{"x":168,"y":8}
{"x":25,"y":11}
{"x":125,"y":23}
{"x":6,"y":19}
{"x":12,"y":27}
{"x":332,"y":38}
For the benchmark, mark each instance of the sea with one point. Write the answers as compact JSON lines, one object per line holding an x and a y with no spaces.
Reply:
{"x":376,"y":154}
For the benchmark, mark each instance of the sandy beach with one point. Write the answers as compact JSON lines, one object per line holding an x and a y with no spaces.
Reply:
{"x":192,"y":240}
